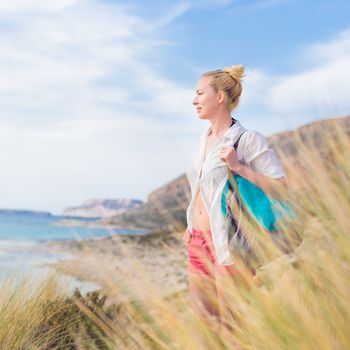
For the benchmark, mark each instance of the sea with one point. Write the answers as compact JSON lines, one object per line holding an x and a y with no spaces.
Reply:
{"x":22,"y":231}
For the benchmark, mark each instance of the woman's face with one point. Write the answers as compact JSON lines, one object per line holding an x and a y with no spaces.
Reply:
{"x":206,"y":100}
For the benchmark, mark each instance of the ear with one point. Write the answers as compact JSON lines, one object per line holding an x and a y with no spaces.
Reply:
{"x":221,"y":97}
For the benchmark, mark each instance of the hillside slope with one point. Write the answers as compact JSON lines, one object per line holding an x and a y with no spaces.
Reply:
{"x":166,"y":206}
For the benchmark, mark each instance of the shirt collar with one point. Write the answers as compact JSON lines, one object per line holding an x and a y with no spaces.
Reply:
{"x":231,"y":134}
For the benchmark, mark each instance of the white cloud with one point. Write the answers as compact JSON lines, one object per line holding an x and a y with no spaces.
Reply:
{"x":77,"y":60}
{"x":83,"y":107}
{"x":176,"y":11}
{"x":34,"y":6}
{"x":321,"y":89}
{"x":86,"y":113}
{"x":330,"y":51}
{"x":318,"y":91}
{"x":313,"y":92}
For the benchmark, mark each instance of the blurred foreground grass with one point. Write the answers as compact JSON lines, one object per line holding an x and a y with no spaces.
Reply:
{"x":298,"y":301}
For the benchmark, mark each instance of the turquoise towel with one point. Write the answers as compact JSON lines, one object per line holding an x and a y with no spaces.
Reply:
{"x":267,"y":211}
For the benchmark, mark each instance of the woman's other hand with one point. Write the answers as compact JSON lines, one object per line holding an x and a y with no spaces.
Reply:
{"x":187,"y":236}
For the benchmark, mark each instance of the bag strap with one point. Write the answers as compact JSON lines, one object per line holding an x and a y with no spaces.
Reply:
{"x":232,"y":185}
{"x":239,"y":137}
{"x":228,"y":170}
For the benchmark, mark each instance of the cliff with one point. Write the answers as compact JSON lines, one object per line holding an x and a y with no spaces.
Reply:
{"x":102,"y":208}
{"x":166,"y":206}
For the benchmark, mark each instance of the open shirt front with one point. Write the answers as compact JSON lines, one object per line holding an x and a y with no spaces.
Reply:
{"x":210,"y":176}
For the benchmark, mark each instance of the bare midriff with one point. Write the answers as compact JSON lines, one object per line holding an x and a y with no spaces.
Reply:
{"x":200,"y":216}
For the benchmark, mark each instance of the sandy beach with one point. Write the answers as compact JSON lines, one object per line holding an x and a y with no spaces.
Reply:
{"x":143,"y":263}
{"x":156,"y":262}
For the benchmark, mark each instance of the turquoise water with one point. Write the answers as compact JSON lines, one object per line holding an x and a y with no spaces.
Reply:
{"x":20,"y":235}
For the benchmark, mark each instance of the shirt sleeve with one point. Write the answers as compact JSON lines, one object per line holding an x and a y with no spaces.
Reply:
{"x":259,"y":156}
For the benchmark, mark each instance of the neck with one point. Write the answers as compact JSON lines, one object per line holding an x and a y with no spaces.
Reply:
{"x":220,"y":125}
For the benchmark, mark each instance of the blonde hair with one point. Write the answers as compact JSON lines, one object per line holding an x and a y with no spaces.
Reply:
{"x":228,"y":80}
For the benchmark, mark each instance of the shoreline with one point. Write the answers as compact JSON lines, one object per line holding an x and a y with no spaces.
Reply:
{"x":34,"y":265}
{"x":97,"y":224}
{"x":157,"y":260}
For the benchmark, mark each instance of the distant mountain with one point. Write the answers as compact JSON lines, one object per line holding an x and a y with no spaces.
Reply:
{"x":101,"y":208}
{"x":165,"y":207}
{"x":24,"y":212}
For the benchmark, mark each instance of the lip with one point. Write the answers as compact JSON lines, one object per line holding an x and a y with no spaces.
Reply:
{"x":198,"y":109}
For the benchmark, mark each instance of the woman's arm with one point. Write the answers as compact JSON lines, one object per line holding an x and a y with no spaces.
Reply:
{"x":272,"y":187}
{"x":265,"y":169}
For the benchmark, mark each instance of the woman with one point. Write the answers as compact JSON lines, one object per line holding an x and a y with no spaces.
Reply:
{"x":217,"y":96}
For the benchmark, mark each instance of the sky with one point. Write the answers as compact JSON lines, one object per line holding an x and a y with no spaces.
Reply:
{"x":96,"y":95}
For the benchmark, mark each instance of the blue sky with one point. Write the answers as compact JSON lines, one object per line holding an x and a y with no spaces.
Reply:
{"x":96,"y":95}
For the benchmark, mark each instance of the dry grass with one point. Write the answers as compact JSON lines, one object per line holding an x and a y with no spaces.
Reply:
{"x":298,"y":301}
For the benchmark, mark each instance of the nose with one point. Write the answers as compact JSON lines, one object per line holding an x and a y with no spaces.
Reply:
{"x":195,"y":101}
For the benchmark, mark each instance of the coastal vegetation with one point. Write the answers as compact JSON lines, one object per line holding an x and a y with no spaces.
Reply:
{"x":296,"y":301}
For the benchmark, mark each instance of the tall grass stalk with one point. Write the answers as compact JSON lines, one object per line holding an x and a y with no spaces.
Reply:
{"x":296,"y":301}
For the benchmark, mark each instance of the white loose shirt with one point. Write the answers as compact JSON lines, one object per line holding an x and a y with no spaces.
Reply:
{"x":253,"y":151}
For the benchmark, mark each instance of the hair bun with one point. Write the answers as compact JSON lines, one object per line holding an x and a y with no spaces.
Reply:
{"x":236,"y":71}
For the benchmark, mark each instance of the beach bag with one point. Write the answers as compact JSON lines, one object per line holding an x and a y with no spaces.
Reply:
{"x":269,"y":213}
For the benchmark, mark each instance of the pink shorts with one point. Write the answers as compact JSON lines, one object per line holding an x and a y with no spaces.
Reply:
{"x":201,"y":256}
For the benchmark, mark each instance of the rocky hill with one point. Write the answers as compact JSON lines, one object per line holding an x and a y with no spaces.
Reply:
{"x":166,"y":207}
{"x":310,"y":134}
{"x":24,"y":212}
{"x":101,"y":208}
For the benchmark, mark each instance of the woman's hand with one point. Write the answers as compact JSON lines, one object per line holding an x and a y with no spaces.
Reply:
{"x":228,"y":154}
{"x":187,"y":236}
{"x":275,"y":188}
